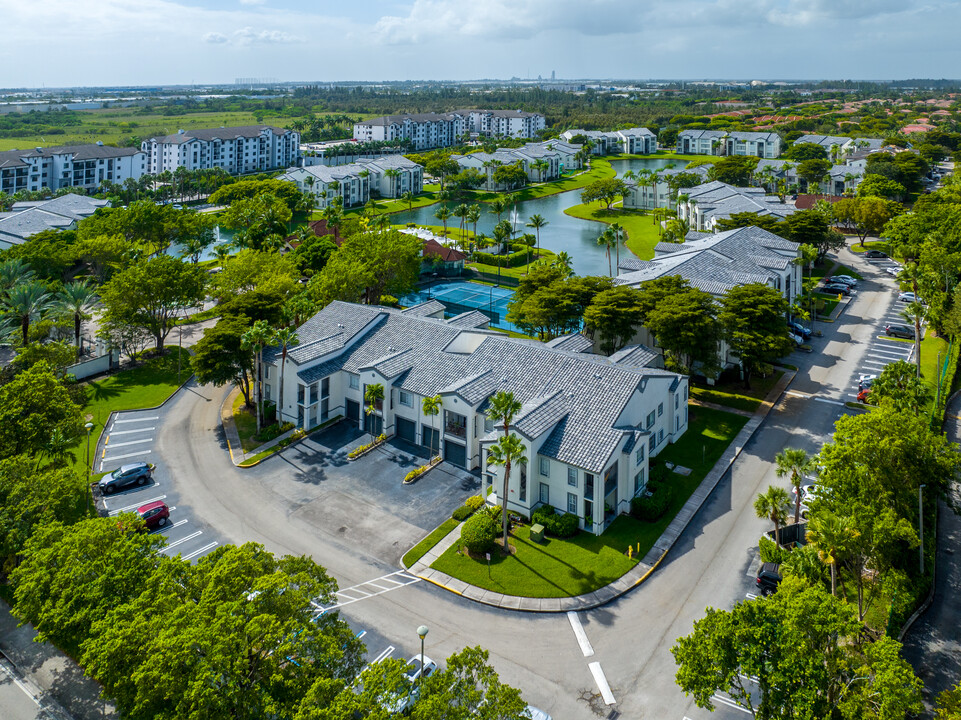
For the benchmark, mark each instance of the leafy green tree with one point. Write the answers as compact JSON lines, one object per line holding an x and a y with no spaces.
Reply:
{"x":809,"y":227}
{"x":686,"y":326}
{"x":32,"y":407}
{"x":58,"y":355}
{"x":949,"y":704}
{"x":104,"y":255}
{"x":830,"y":534}
{"x":900,"y":385}
{"x":250,"y":270}
{"x":799,"y":152}
{"x":249,"y":189}
{"x":773,"y":504}
{"x":752,"y":316}
{"x":313,"y":253}
{"x":50,"y":253}
{"x":256,"y":338}
{"x":503,"y":408}
{"x":797,"y":647}
{"x":151,"y":294}
{"x":220,"y":356}
{"x":771,"y":223}
{"x":733,"y":170}
{"x":256,"y":305}
{"x":868,"y":215}
{"x":511,"y":176}
{"x":796,"y":463}
{"x":613,"y":317}
{"x":813,"y":171}
{"x":880,"y":186}
{"x":260,"y":223}
{"x":607,"y":190}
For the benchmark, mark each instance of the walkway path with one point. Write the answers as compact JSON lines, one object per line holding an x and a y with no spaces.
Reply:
{"x":639,"y":572}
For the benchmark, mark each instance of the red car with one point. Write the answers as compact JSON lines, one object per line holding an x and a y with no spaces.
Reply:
{"x":154,"y":514}
{"x":863,"y":394}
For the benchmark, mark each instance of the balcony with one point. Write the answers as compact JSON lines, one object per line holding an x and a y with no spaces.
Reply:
{"x":455,"y":424}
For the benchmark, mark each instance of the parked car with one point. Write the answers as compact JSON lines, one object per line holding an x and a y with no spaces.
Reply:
{"x":768,"y":578}
{"x":893,"y":270}
{"x":154,"y":514}
{"x":402,"y":699}
{"x":126,"y":475}
{"x":863,"y":394}
{"x":875,"y":254}
{"x":844,"y":279}
{"x":901,"y":331}
{"x":795,"y":338}
{"x":866,"y":381}
{"x":839,"y":288}
{"x":413,"y":669}
{"x":799,"y":329}
{"x":909,"y":297}
{"x":534,"y":713}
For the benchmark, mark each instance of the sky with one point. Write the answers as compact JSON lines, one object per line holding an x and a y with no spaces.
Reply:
{"x":57,"y":43}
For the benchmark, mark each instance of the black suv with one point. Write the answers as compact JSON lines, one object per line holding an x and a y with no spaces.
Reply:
{"x":875,"y":254}
{"x":768,"y":578}
{"x":132,"y":474}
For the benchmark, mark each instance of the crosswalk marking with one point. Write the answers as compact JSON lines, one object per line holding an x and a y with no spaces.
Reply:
{"x":349,"y":595}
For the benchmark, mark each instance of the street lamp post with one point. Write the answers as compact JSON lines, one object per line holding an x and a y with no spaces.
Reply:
{"x":89,"y":426}
{"x":421,"y":633}
{"x":921,"y":525}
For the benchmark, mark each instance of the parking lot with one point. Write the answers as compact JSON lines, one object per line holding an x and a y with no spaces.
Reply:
{"x":131,"y":437}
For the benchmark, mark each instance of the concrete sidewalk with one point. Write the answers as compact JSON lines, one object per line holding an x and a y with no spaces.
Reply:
{"x":639,"y":572}
{"x":68,"y":693}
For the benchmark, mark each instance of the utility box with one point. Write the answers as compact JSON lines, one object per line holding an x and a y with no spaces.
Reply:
{"x":537,"y":533}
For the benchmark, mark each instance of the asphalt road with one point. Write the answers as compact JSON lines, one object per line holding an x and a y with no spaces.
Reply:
{"x":560,"y":668}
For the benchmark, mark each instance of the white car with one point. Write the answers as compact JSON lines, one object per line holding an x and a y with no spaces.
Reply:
{"x":894,"y":270}
{"x":413,"y":670}
{"x":845,"y":279}
{"x":909,"y":297}
{"x":535,"y":714}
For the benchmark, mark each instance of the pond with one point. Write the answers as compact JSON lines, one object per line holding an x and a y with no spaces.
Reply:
{"x":636,"y":164}
{"x":564,"y":233}
{"x":221,"y":237}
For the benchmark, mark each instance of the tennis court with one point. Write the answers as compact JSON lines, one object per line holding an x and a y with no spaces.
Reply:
{"x":461,"y":296}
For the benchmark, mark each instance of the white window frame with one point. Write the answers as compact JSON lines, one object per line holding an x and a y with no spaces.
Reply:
{"x":543,"y":466}
{"x":354,"y":382}
{"x":572,"y":477}
{"x":410,"y":399}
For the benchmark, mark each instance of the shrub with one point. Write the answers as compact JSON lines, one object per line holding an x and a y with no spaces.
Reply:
{"x":461,"y":513}
{"x":416,"y":473}
{"x":649,"y":508}
{"x":556,"y":524}
{"x":770,"y":552}
{"x":357,"y":452}
{"x":479,"y":533}
{"x":474,"y":502}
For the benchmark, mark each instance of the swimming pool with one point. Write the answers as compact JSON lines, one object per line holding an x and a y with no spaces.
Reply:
{"x":462,"y":296}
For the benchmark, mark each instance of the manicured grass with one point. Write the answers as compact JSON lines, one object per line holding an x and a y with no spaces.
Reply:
{"x":845,"y":270}
{"x":251,"y":461}
{"x":931,"y":345}
{"x":397,"y":206}
{"x":144,"y":386}
{"x":678,"y":157}
{"x":246,"y":422}
{"x":425,"y":545}
{"x":561,"y":568}
{"x":881,"y":245}
{"x":514,"y":272}
{"x":600,"y":169}
{"x":735,"y":395}
{"x":642,"y":233}
{"x":830,"y":302}
{"x":732,"y":400}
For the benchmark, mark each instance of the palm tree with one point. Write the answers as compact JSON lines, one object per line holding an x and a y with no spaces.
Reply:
{"x":77,"y":299}
{"x":502,"y":232}
{"x":461,"y":211}
{"x":503,"y":407}
{"x":443,"y":214}
{"x":506,"y":451}
{"x":26,"y":303}
{"x":607,"y":240}
{"x":257,"y":338}
{"x":431,"y":406}
{"x":773,"y":504}
{"x":285,"y":337}
{"x":619,"y":236}
{"x":564,"y":260}
{"x":473,"y":216}
{"x":373,"y":394}
{"x":14,"y":272}
{"x":796,"y":463}
{"x":528,"y":240}
{"x":830,"y":535}
{"x":915,"y":313}
{"x":497,"y":207}
{"x":408,"y":197}
{"x":537,"y":222}
{"x":393,"y":174}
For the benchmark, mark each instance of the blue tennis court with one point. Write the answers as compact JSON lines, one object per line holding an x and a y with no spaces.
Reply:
{"x":461,"y":296}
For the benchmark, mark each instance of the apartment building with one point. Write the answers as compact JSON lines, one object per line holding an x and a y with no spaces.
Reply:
{"x":238,"y":150}
{"x":720,"y":142}
{"x":632,"y":141}
{"x":435,"y":130}
{"x":77,"y":166}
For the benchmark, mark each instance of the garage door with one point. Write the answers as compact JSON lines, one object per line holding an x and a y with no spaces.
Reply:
{"x":430,"y":438}
{"x":455,"y":454}
{"x":407,"y":430}
{"x":353,"y":410}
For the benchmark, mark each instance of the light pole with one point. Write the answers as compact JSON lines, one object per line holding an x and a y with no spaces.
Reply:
{"x":89,"y":426}
{"x":921,"y":525}
{"x":421,"y":633}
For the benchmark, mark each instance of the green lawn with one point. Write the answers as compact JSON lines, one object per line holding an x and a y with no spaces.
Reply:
{"x":735,"y":395}
{"x":600,"y":169}
{"x":830,"y":302}
{"x":246,"y":422}
{"x":514,"y":272}
{"x":562,"y":568}
{"x":881,"y":245}
{"x":144,"y":386}
{"x":425,"y":545}
{"x":931,"y":345}
{"x":729,"y":399}
{"x":642,"y":232}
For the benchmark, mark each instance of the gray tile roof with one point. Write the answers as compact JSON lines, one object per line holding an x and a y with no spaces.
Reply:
{"x":481,"y":363}
{"x":225,"y":133}
{"x":470,"y":319}
{"x":425,"y":309}
{"x":636,"y":356}
{"x":695,"y":134}
{"x":539,"y":415}
{"x":572,"y":343}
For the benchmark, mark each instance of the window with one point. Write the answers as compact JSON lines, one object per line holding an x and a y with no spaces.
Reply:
{"x":325,"y":409}
{"x":639,"y":482}
{"x":685,"y":393}
{"x":545,"y":466}
{"x":650,"y":419}
{"x":572,"y":478}
{"x":677,"y":423}
{"x":639,"y":455}
{"x":313,"y":393}
{"x":325,"y":387}
{"x":266,"y":372}
{"x":523,"y":493}
{"x":354,"y":382}
{"x":677,"y":401}
{"x":545,"y":493}
{"x":301,"y":391}
{"x":660,"y":409}
{"x":653,"y":442}
{"x":571,"y":503}
{"x":405,"y":398}
{"x":488,"y":425}
{"x":660,"y":436}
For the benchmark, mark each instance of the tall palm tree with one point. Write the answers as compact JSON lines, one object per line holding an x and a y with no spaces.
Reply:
{"x":796,"y":463}
{"x":619,"y":236}
{"x":607,"y":240}
{"x":443,"y":214}
{"x":503,"y":407}
{"x":461,"y":211}
{"x":502,"y":232}
{"x":77,"y":299}
{"x":26,"y":303}
{"x":14,"y":272}
{"x":528,"y":240}
{"x":915,"y":313}
{"x":537,"y":222}
{"x":830,"y":535}
{"x":258,"y":337}
{"x":506,"y":451}
{"x":497,"y":207}
{"x":773,"y":504}
{"x":474,"y":216}
{"x":285,"y":337}
{"x":408,"y":197}
{"x":373,"y":394}
{"x":392,"y":174}
{"x":431,"y":406}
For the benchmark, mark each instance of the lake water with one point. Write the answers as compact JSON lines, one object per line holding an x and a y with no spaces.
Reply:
{"x":221,"y":236}
{"x":635,"y":164}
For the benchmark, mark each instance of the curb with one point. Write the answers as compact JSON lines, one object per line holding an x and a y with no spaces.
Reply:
{"x":580,"y":602}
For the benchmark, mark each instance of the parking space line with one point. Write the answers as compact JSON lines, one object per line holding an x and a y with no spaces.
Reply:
{"x":174,"y":544}
{"x":132,"y":432}
{"x":602,"y":684}
{"x":829,"y":401}
{"x":730,"y":703}
{"x":133,"y":420}
{"x":129,"y":442}
{"x":579,"y":633}
{"x":379,"y":587}
{"x":201,"y":551}
{"x":135,"y":506}
{"x":121,"y":457}
{"x":168,"y":527}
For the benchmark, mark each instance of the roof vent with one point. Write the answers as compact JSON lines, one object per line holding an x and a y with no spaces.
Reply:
{"x":340,"y":325}
{"x":503,"y":379}
{"x":598,"y":376}
{"x":39,"y":149}
{"x":100,"y":143}
{"x":181,"y":132}
{"x":390,"y":348}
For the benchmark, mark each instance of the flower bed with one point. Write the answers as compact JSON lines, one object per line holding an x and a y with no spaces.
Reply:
{"x":414,"y":474}
{"x":364,"y":449}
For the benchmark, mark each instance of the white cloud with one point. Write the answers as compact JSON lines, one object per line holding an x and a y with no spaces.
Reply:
{"x":215,"y":38}
{"x":252,"y":36}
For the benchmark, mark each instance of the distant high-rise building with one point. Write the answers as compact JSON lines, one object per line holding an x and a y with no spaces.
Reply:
{"x":553,"y":76}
